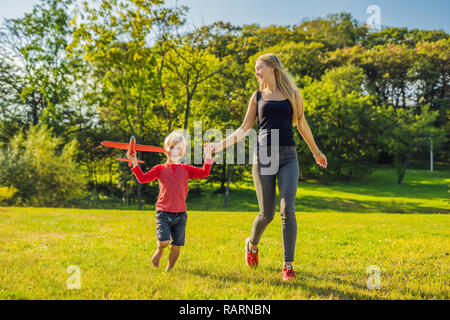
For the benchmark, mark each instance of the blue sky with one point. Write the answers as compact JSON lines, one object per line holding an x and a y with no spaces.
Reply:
{"x":430,"y":14}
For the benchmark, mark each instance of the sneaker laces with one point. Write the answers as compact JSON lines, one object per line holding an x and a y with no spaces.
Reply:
{"x":253,"y":257}
{"x":290,"y":272}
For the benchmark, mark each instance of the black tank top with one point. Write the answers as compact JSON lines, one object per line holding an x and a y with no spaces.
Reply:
{"x":274,"y":115}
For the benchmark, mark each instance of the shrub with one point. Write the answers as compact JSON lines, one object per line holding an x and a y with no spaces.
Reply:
{"x":43,"y":172}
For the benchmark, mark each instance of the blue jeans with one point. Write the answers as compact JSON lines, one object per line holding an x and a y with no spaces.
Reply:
{"x":171,"y":226}
{"x":287,"y":173}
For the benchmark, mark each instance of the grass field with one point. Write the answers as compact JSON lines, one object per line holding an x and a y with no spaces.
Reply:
{"x":342,"y":230}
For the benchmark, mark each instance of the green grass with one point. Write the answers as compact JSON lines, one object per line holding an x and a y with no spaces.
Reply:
{"x":342,"y":230}
{"x":421,"y":192}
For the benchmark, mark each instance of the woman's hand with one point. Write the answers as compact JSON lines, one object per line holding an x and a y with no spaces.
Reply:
{"x":132,"y":158}
{"x":321,"y":159}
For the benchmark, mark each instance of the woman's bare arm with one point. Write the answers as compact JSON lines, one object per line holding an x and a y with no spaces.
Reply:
{"x":305,"y":131}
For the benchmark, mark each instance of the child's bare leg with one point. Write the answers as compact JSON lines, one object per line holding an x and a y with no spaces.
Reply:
{"x":159,"y":252}
{"x":173,"y":257}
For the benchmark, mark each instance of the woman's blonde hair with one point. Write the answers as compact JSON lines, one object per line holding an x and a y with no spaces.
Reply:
{"x":284,"y":82}
{"x":173,"y":139}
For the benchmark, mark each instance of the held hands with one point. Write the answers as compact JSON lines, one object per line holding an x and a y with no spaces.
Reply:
{"x":132,"y":158}
{"x":210,"y":147}
{"x":321,"y":159}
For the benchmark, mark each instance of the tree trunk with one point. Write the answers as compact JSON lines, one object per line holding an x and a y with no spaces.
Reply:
{"x":34,"y":110}
{"x":139,"y":188}
{"x":227,"y":191}
{"x":401,"y":174}
{"x":223,"y":179}
{"x":403,"y":164}
{"x":110,"y":172}
{"x":186,"y":114}
{"x":139,"y":191}
{"x":349,"y":177}
{"x":34,"y":114}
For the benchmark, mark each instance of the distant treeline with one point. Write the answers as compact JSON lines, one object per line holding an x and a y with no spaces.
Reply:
{"x":72,"y":76}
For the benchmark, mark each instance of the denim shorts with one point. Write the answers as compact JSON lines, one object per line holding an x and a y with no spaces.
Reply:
{"x":171,"y":226}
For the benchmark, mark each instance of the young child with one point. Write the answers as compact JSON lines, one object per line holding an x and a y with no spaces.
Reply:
{"x":173,"y":179}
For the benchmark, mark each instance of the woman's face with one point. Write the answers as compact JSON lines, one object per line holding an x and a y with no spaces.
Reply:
{"x":263,"y":71}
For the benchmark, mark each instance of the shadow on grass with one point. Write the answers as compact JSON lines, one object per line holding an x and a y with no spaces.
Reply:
{"x":418,"y":184}
{"x":245,"y":200}
{"x":314,"y":204}
{"x":303,"y":282}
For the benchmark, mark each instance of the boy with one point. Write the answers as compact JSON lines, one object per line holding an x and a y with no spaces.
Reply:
{"x":173,"y":179}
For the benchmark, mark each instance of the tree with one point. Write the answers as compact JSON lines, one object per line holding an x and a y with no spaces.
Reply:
{"x":299,"y":59}
{"x":335,"y":31}
{"x":404,"y":131}
{"x":405,"y":74}
{"x":341,"y":119}
{"x":191,"y":64}
{"x":115,"y":39}
{"x":411,"y":38}
{"x":431,"y":71}
{"x":38,"y":73}
{"x":387,"y":69}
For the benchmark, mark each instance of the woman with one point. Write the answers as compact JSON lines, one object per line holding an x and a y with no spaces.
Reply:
{"x":277,"y":105}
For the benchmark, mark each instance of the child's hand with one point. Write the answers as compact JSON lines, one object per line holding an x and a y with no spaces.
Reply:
{"x":208,"y":150}
{"x":132,"y":158}
{"x":210,"y":147}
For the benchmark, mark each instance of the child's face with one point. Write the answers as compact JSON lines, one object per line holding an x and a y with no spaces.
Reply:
{"x":175,"y":151}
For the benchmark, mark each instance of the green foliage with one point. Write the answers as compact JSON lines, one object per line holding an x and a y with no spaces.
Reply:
{"x":7,"y":195}
{"x":42,"y":173}
{"x":115,"y":68}
{"x":431,"y":70}
{"x":299,"y":59}
{"x":411,"y":38}
{"x":41,"y":81}
{"x":341,"y":118}
{"x":386,"y":67}
{"x":403,"y":132}
{"x":335,"y":31}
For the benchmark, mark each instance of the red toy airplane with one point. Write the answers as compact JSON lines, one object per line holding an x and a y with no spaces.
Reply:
{"x":132,"y":147}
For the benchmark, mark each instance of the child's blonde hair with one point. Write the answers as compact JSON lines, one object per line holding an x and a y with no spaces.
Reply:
{"x":173,"y":139}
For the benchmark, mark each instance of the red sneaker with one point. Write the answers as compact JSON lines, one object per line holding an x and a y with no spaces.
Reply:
{"x":251,"y":259}
{"x":288,"y":274}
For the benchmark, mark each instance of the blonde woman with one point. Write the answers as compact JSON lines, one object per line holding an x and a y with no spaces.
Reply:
{"x":278,"y":106}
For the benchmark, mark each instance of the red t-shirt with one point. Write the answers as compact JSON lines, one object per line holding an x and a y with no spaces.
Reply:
{"x":173,"y":182}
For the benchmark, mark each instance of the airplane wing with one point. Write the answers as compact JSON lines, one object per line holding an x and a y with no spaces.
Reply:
{"x":139,"y":147}
{"x":118,"y":145}
{"x":128,"y":160}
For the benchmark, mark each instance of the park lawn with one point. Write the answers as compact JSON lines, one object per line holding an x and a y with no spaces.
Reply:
{"x":421,"y":192}
{"x":342,"y":230}
{"x":113,"y":249}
